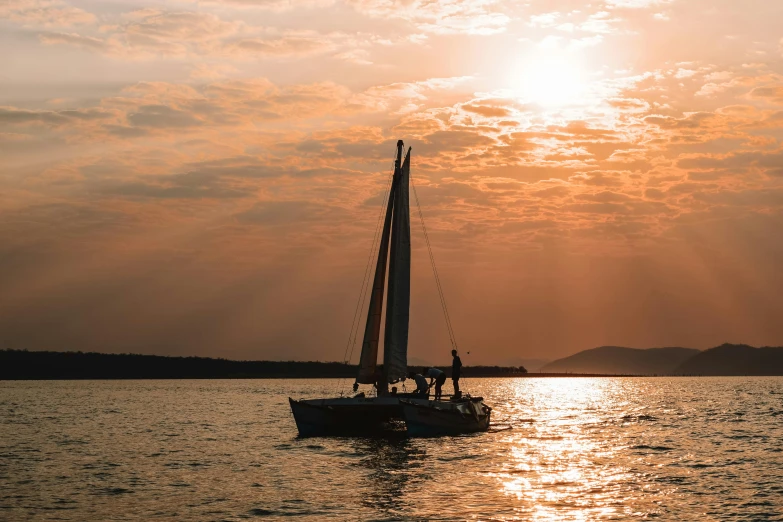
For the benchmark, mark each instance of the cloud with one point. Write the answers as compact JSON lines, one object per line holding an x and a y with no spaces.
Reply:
{"x":764,"y":198}
{"x":406,"y":97}
{"x":636,"y":4}
{"x":158,"y":191}
{"x":286,"y":213}
{"x":13,"y":115}
{"x":226,"y":103}
{"x":773,"y":94}
{"x":588,"y":41}
{"x":487,"y":110}
{"x":599,"y":23}
{"x":88,"y":43}
{"x":149,"y":34}
{"x":604,"y":197}
{"x":161,"y":116}
{"x":771,"y":163}
{"x":45,"y":13}
{"x":212,"y":71}
{"x":273,"y":5}
{"x":292,"y":44}
{"x":151,"y":27}
{"x":476,"y":17}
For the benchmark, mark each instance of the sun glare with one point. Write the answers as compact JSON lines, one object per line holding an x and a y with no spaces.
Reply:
{"x":550,"y":81}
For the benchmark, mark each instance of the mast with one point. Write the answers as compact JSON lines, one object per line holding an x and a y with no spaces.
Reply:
{"x":372,"y":331}
{"x":395,"y":343}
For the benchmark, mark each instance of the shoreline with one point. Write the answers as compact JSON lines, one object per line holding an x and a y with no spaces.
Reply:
{"x":21,"y":365}
{"x":293,"y":377}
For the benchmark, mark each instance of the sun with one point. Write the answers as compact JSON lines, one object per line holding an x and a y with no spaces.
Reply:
{"x":550,"y":81}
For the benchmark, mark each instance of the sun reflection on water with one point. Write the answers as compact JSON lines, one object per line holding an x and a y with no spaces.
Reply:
{"x":557,"y":463}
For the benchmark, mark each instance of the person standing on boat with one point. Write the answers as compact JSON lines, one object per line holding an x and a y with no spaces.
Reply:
{"x":456,"y":372}
{"x":438,"y":377}
{"x":422,"y":387}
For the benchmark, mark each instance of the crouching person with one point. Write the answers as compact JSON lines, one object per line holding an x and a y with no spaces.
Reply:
{"x":438,"y":378}
{"x":422,"y":388}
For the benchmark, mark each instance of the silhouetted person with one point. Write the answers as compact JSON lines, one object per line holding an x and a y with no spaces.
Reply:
{"x":456,"y":372}
{"x":381,"y":385}
{"x":437,"y":377}
{"x":422,"y":388}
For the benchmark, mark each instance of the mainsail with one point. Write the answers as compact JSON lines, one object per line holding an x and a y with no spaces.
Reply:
{"x":372,"y":329}
{"x":396,"y":230}
{"x":395,"y":342}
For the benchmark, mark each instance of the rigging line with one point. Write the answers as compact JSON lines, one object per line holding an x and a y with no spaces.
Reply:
{"x":449,"y":327}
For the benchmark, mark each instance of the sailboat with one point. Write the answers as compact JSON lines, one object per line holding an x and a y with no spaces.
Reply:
{"x":361,"y":413}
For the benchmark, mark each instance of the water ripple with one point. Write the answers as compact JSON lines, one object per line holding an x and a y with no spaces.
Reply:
{"x":571,"y":449}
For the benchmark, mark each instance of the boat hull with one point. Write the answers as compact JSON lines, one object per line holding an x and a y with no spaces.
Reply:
{"x":432,"y":418}
{"x":345,"y":416}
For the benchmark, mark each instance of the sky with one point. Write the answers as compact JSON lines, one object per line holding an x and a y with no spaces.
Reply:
{"x":191,"y":177}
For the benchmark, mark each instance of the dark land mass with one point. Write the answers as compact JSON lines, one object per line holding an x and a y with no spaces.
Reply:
{"x":727,"y":359}
{"x":734,"y":359}
{"x":617,"y":360}
{"x":22,"y":364}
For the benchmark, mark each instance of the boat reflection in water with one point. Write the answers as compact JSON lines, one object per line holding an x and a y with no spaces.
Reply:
{"x":361,"y":414}
{"x":394,"y":466}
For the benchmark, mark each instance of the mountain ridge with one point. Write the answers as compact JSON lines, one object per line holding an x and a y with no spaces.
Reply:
{"x":622,"y":360}
{"x":724,"y":360}
{"x":734,"y":359}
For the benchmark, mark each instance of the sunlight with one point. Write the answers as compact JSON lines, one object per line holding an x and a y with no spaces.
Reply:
{"x":550,"y":81}
{"x":557,"y":462}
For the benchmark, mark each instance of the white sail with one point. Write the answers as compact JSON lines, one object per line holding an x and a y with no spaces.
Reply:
{"x":395,"y":346}
{"x":372,"y":331}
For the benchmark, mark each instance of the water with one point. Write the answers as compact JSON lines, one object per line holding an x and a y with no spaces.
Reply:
{"x":581,"y":449}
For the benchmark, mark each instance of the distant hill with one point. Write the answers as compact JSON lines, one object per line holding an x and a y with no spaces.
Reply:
{"x":734,"y":359}
{"x":622,"y":361}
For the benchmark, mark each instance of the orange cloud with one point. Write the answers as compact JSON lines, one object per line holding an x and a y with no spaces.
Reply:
{"x":44,"y":13}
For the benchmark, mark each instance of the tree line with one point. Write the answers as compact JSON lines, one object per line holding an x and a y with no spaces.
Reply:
{"x":24,"y":365}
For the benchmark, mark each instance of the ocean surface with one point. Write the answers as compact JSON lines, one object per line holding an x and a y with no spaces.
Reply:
{"x":579,"y":449}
